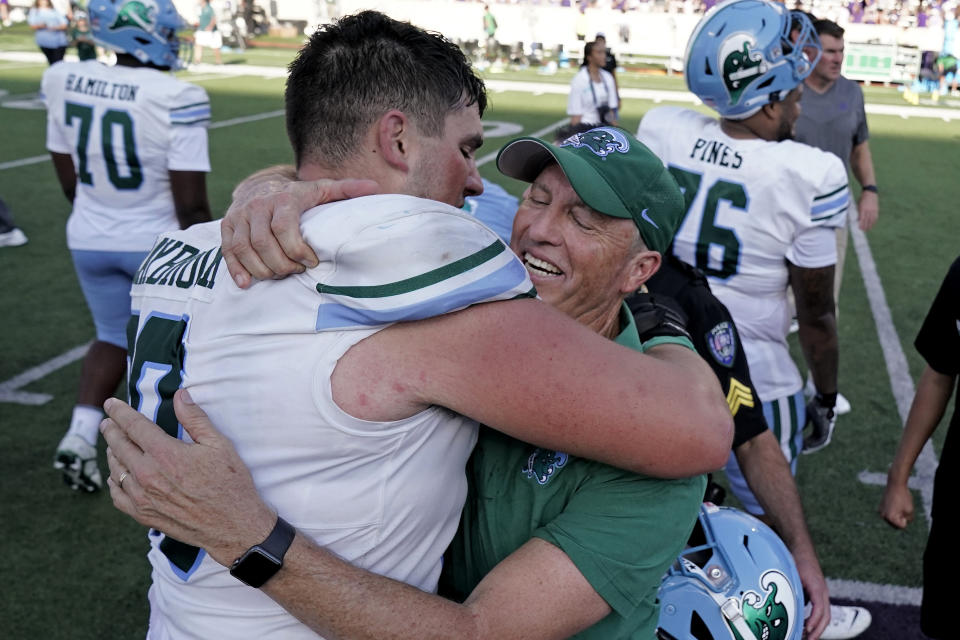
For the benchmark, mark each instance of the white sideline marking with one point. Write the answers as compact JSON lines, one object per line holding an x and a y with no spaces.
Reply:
{"x":870,"y":592}
{"x":9,"y":389}
{"x":13,"y":164}
{"x":900,"y":381}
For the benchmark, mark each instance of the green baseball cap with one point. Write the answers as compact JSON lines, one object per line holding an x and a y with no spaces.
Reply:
{"x":612,"y":172}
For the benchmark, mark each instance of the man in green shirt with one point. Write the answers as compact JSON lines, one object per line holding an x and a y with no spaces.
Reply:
{"x":550,"y":545}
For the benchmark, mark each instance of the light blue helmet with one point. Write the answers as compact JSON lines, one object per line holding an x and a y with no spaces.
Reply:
{"x":737,"y":581}
{"x":741,"y":57}
{"x":145,"y":29}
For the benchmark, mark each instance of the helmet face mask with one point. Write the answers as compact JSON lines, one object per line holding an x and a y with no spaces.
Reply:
{"x":144,"y":29}
{"x":741,"y":55}
{"x":737,"y":581}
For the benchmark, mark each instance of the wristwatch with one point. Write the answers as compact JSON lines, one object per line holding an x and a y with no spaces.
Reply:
{"x":260,"y":562}
{"x":870,"y":187}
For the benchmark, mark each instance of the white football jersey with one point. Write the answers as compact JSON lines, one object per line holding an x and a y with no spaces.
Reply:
{"x":384,"y":496}
{"x":126,"y":128}
{"x":751,"y":206}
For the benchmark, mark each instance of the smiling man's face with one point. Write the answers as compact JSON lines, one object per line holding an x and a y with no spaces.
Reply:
{"x":582,"y":262}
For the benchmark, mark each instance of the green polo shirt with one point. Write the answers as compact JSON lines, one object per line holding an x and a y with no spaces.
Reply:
{"x":622,"y":530}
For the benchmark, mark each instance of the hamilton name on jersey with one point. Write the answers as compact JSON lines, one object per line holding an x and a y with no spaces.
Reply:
{"x":176,"y":264}
{"x":716,"y":152}
{"x":101,"y":88}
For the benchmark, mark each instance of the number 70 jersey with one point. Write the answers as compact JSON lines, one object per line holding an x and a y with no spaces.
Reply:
{"x":125,"y":128}
{"x":752,"y":205}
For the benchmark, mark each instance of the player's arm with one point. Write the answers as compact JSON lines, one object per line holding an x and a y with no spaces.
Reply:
{"x":816,"y":316}
{"x":190,"y":197}
{"x":929,"y":405}
{"x":527,"y":370}
{"x":66,"y":173}
{"x":861,"y":163}
{"x":768,"y":475}
{"x":327,"y":594}
{"x":260,"y":234}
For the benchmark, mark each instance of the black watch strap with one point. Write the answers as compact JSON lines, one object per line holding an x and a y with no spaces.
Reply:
{"x":260,"y":562}
{"x":870,"y":187}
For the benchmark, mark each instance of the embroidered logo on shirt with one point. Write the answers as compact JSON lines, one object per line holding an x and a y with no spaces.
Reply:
{"x":722,"y":343}
{"x":543,"y":463}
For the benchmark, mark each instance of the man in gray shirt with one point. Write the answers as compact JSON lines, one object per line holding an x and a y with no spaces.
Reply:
{"x":832,"y":118}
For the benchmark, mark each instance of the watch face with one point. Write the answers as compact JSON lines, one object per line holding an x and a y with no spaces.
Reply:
{"x":255,"y":567}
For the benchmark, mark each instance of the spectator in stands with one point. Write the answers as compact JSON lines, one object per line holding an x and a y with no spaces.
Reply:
{"x":593,"y":91}
{"x":49,"y":29}
{"x":610,"y":66}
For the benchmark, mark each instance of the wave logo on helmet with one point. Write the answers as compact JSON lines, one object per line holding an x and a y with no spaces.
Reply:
{"x":771,"y":617}
{"x":741,"y":64}
{"x":602,"y":141}
{"x":137,"y":14}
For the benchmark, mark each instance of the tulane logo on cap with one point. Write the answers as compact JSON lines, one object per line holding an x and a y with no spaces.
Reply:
{"x":602,"y":141}
{"x":138,"y":14}
{"x":741,"y":64}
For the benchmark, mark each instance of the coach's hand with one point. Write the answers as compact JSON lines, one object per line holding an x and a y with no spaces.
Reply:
{"x":260,"y":234}
{"x":199,"y":493}
{"x":897,"y":505}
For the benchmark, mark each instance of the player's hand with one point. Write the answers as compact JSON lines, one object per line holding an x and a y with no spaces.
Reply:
{"x":199,"y":493}
{"x":897,"y":505}
{"x":818,"y":595}
{"x":657,"y":315}
{"x":868,"y":209}
{"x":260,"y":233}
{"x":822,"y":418}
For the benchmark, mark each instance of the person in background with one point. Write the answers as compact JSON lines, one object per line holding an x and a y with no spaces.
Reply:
{"x":610,"y":66}
{"x":10,"y":234}
{"x":49,"y":29}
{"x":939,"y":344}
{"x":593,"y":91}
{"x":81,"y":38}
{"x":832,"y":118}
{"x":132,"y":160}
{"x":207,"y":34}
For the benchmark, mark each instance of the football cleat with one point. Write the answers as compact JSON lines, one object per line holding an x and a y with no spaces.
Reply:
{"x":846,"y":622}
{"x":13,"y":238}
{"x":77,"y":458}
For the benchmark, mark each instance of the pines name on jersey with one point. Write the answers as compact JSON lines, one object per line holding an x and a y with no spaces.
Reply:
{"x":716,"y":152}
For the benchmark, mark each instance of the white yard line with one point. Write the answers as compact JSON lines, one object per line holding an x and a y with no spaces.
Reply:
{"x":10,"y":390}
{"x":899,"y":373}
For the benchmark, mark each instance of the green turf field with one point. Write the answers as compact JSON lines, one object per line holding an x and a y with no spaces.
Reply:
{"x":76,"y":568}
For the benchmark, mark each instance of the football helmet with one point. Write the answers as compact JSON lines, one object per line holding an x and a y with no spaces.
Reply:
{"x":145,"y":29}
{"x":741,"y":56}
{"x":736,"y":581}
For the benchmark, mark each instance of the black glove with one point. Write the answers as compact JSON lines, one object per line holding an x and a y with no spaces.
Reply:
{"x":822,"y":419}
{"x":657,"y":315}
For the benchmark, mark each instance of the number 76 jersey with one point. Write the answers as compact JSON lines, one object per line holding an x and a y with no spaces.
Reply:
{"x":125,"y":128}
{"x":752,"y":205}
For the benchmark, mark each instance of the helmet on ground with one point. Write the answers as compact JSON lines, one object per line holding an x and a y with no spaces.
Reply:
{"x":736,"y":581}
{"x":145,"y":29}
{"x":741,"y":55}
